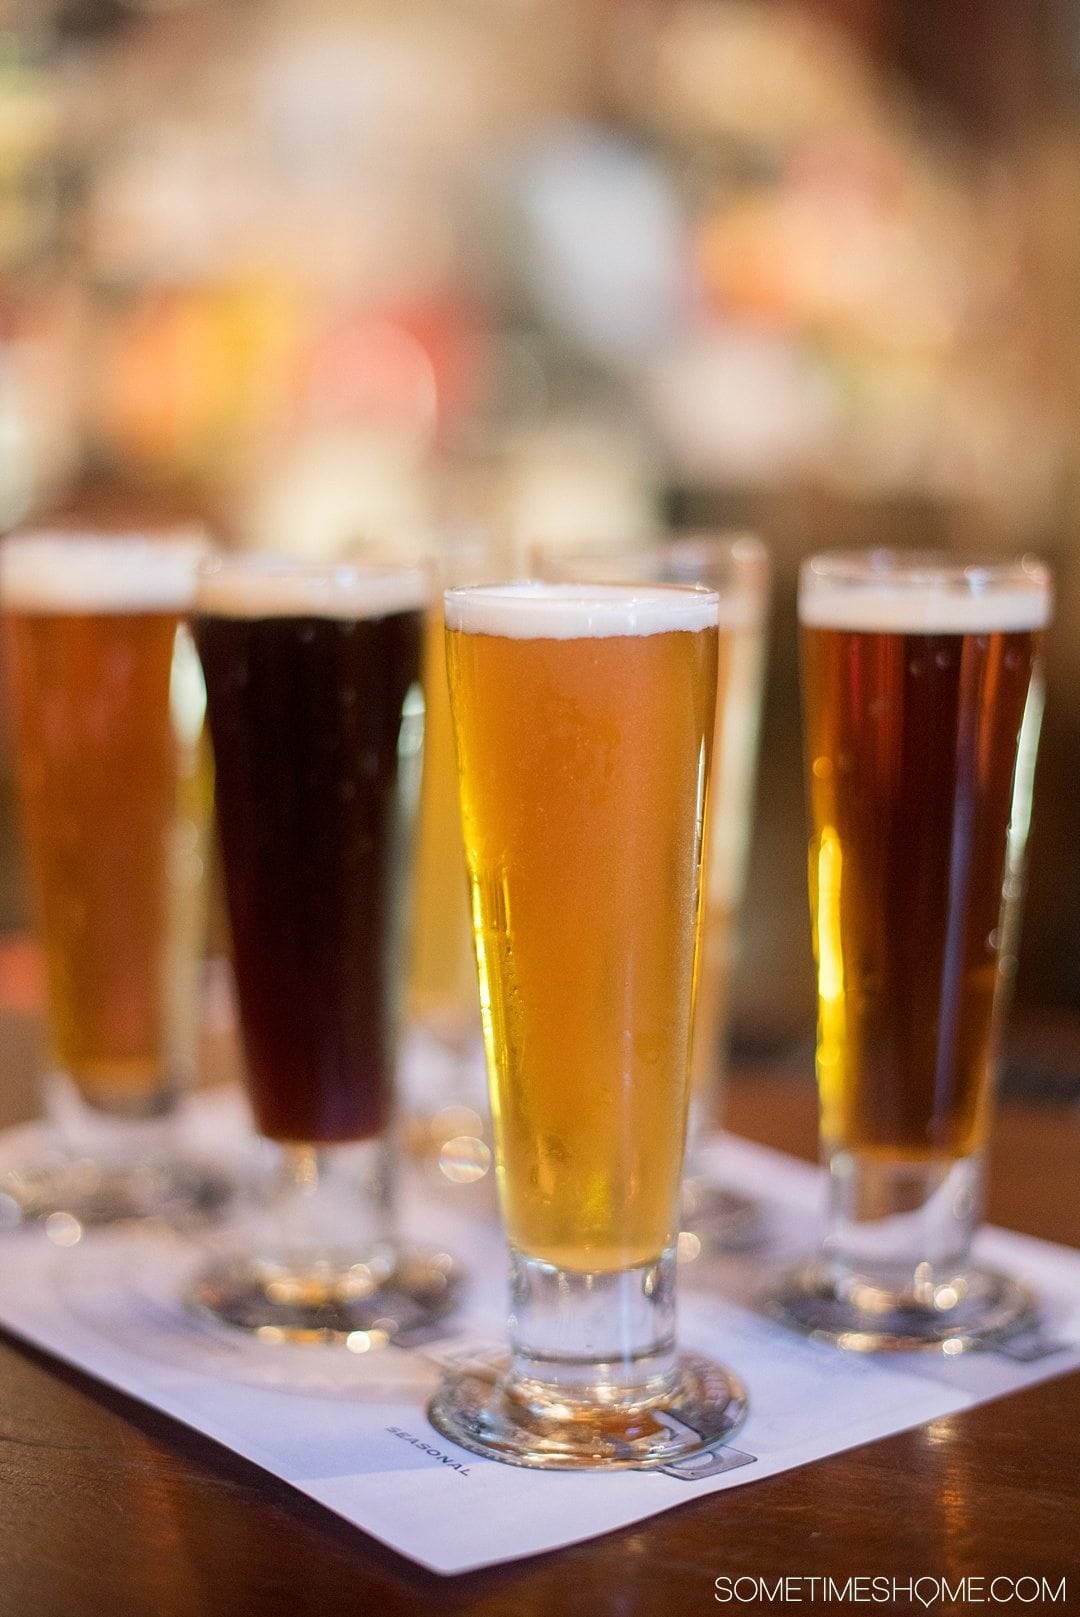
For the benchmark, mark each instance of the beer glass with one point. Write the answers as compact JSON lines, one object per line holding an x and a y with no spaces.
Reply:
{"x":107,"y":717}
{"x":444,"y":1084}
{"x":316,"y":723}
{"x":923,"y":694}
{"x":735,"y":566}
{"x":583,"y":717}
{"x":442,"y":976}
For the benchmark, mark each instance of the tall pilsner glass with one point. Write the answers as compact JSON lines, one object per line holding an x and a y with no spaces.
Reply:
{"x":442,"y":975}
{"x":114,"y":795}
{"x":314,"y":712}
{"x":736,"y":566}
{"x":583,"y":717}
{"x":445,"y":1089}
{"x":923,"y":697}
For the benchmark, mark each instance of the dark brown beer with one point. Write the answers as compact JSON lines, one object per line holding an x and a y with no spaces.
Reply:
{"x":305,"y":711}
{"x":912,"y":743}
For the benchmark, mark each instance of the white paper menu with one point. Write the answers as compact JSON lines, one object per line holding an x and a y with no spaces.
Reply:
{"x":350,"y":1430}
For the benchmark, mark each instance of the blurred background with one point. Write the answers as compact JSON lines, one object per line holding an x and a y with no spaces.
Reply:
{"x":316,"y":272}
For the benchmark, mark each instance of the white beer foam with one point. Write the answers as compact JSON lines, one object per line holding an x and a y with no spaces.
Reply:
{"x":255,"y":586}
{"x":536,"y":611}
{"x":71,"y":572}
{"x":910,"y":608}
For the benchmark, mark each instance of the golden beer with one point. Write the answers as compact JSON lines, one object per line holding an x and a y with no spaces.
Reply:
{"x":442,"y":973}
{"x":736,"y":567}
{"x":92,"y":636}
{"x":919,"y":807}
{"x":584,"y":723}
{"x":727,"y":827}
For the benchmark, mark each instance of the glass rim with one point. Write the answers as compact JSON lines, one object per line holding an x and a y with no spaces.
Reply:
{"x":280,"y":563}
{"x":743,"y":551}
{"x":745,"y":548}
{"x":606,"y":608}
{"x":923,"y":592}
{"x":188,"y":535}
{"x":894,"y":568}
{"x":523,"y":588}
{"x":272,"y":584}
{"x":451,"y":552}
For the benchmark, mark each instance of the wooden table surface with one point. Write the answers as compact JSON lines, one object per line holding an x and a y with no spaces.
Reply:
{"x":107,"y":1507}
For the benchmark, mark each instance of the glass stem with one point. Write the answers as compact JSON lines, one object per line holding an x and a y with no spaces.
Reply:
{"x":901,"y":1229}
{"x":145,"y":1130}
{"x":325,"y":1200}
{"x":582,"y":1339}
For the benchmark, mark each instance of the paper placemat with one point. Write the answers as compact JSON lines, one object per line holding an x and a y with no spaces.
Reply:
{"x":350,"y":1430}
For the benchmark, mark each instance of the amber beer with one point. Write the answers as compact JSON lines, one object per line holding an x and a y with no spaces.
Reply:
{"x":93,"y":629}
{"x":914,"y":703}
{"x":584,"y":721}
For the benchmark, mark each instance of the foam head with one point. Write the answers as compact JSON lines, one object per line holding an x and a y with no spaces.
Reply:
{"x":255,"y":586}
{"x":891,"y":594}
{"x":69,"y":573}
{"x":536,"y":611}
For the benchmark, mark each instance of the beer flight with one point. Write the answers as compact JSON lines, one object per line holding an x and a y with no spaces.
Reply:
{"x":604,"y":715}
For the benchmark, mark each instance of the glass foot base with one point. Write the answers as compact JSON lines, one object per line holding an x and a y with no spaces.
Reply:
{"x":475,"y":1409}
{"x":67,"y":1194}
{"x":986,"y":1309}
{"x":723,"y":1220}
{"x":398,"y":1296}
